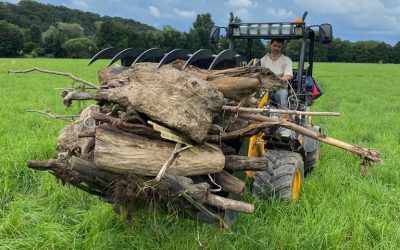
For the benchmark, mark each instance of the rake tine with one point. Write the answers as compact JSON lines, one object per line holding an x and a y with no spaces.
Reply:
{"x":107,"y":53}
{"x":127,"y":56}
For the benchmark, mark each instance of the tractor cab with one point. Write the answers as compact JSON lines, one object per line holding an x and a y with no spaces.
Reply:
{"x":297,"y":30}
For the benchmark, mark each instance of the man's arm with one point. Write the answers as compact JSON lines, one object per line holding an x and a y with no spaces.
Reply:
{"x":288,"y":72}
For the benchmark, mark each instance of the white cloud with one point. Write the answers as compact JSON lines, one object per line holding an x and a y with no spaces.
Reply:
{"x":363,"y":16}
{"x":154,"y":11}
{"x":80,"y":4}
{"x":184,"y":13}
{"x":243,"y":14}
{"x":240,"y":3}
{"x":280,"y":14}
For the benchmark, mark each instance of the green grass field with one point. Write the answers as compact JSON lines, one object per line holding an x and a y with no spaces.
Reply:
{"x":338,"y":208}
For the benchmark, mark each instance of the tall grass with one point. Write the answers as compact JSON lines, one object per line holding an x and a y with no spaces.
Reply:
{"x":337,"y":209}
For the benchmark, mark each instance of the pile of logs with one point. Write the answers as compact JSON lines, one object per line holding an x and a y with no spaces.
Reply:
{"x":157,"y":135}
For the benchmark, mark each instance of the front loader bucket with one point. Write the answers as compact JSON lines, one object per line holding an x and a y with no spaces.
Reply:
{"x":127,"y":56}
{"x":152,"y":53}
{"x":226,"y":59}
{"x":172,"y":56}
{"x":201,"y":59}
{"x":105,"y":54}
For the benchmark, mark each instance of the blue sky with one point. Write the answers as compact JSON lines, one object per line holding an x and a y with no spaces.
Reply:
{"x":352,"y":20}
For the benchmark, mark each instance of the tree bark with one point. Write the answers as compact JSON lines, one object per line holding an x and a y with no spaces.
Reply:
{"x":244,"y":163}
{"x":229,"y":204}
{"x":230,"y":183}
{"x":122,"y":152}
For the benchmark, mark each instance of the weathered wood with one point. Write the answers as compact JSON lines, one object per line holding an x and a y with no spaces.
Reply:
{"x":364,"y":153}
{"x":138,"y":129}
{"x":122,"y":152}
{"x":69,"y":143}
{"x":237,"y":83}
{"x":106,"y":73}
{"x":229,"y":204}
{"x":179,"y":184}
{"x":244,"y":163}
{"x":229,"y":183}
{"x":70,"y":96}
{"x":249,"y":130}
{"x":90,"y":169}
{"x":173,"y":97}
{"x":69,"y":75}
{"x":279,"y":111}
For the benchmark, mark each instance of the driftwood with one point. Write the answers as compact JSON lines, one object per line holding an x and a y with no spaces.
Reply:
{"x":229,"y":183}
{"x":364,"y":153}
{"x":172,"y":97}
{"x":244,"y":163}
{"x":229,"y":204}
{"x":122,"y":152}
{"x":279,"y":111}
{"x":76,"y":79}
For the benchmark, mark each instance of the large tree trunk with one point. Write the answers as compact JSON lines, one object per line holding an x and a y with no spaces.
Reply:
{"x":122,"y":152}
{"x":172,"y":97}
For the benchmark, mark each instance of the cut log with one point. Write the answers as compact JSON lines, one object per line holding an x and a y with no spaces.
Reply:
{"x":229,"y":204}
{"x":230,"y":183}
{"x":70,"y":96}
{"x":110,"y":72}
{"x":180,"y":184}
{"x":173,"y":97}
{"x":244,"y":163}
{"x":122,"y":152}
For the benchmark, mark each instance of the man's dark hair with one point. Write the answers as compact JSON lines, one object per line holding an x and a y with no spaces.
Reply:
{"x":277,"y":40}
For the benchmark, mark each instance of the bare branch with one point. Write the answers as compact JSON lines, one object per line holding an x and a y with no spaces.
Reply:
{"x":279,"y":111}
{"x":69,"y":75}
{"x":68,"y":118}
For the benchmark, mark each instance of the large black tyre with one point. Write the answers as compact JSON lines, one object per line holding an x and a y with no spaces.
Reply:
{"x":283,"y":177}
{"x":311,"y":159}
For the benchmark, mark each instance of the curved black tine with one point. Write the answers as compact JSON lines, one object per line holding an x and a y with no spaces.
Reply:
{"x":173,"y":55}
{"x":198,"y":55}
{"x":105,"y":54}
{"x":228,"y":55}
{"x":150,"y":53}
{"x":127,"y":56}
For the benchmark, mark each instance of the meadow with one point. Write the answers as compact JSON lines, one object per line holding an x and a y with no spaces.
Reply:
{"x":338,"y":209}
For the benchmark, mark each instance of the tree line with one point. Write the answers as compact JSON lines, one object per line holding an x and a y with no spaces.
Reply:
{"x":76,"y":34}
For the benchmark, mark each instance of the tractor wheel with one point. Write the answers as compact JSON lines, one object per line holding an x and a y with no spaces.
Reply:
{"x":283,"y":177}
{"x":311,"y":159}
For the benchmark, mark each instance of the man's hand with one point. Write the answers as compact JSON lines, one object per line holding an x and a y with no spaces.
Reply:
{"x":286,"y":78}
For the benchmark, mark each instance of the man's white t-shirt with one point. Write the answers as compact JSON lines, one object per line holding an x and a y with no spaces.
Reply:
{"x":281,"y":66}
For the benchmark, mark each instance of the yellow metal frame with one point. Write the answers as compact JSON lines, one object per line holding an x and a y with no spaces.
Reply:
{"x":256,"y":142}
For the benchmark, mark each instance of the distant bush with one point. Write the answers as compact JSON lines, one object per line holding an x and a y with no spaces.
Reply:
{"x":83,"y":47}
{"x":28,"y":47}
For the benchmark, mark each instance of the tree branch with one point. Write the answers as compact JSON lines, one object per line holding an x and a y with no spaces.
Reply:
{"x":69,"y":75}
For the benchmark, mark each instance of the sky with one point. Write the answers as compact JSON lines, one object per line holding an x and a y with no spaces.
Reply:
{"x":352,"y":20}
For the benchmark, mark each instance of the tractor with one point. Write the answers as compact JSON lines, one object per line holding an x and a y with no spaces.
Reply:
{"x":290,"y":155}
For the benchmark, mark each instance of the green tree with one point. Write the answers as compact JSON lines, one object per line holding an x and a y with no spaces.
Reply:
{"x":82,"y":47}
{"x":173,"y":39}
{"x":55,"y":37}
{"x":199,"y":34}
{"x":35,"y":34}
{"x":11,"y":39}
{"x":112,"y":33}
{"x":28,"y":47}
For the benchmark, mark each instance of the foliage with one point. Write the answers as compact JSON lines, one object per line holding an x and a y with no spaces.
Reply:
{"x":338,"y":209}
{"x":11,"y":39}
{"x":82,"y":47}
{"x":55,"y":37}
{"x":29,"y":47}
{"x":35,"y":34}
